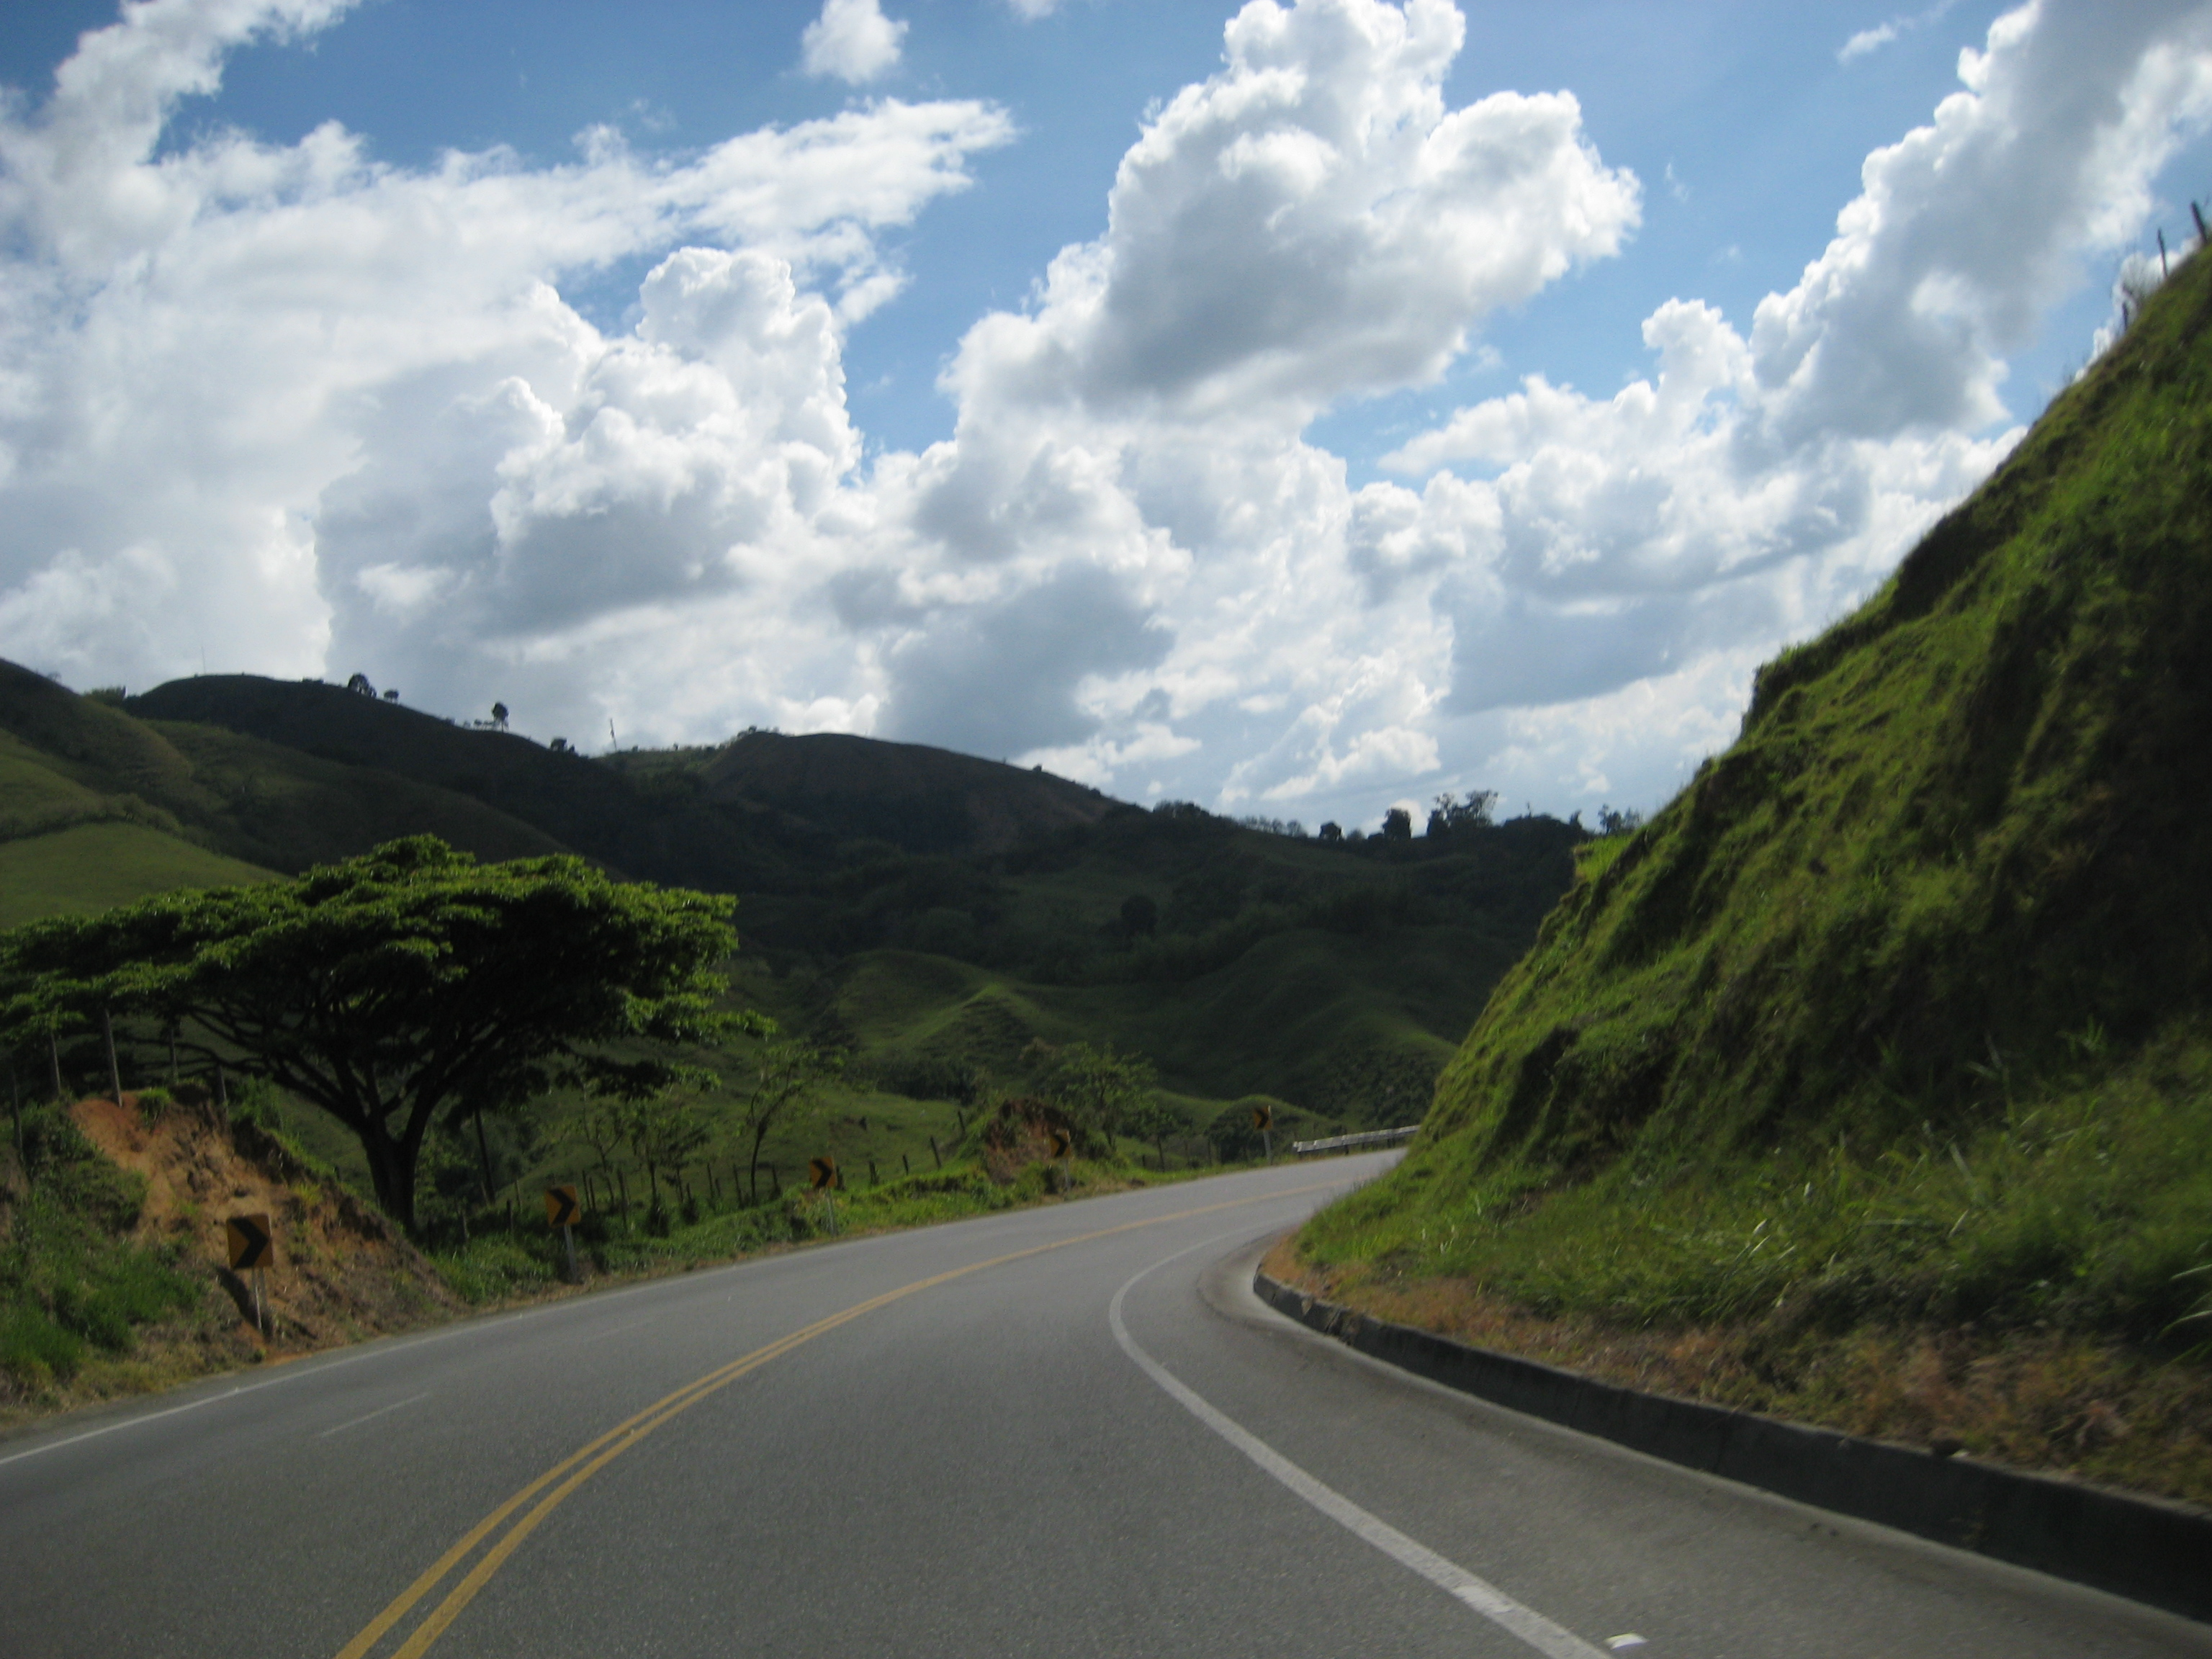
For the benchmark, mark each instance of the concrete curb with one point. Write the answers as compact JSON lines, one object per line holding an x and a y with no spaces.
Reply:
{"x":2143,"y":1548}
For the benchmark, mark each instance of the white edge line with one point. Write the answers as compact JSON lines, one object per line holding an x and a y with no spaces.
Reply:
{"x":601,"y":1336}
{"x":133,"y":1422}
{"x":1554,"y":1641}
{"x":412,"y":1400}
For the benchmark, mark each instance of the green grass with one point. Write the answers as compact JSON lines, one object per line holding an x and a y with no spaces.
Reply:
{"x":33,"y":793}
{"x":96,"y":867}
{"x":290,"y":810}
{"x":72,"y":1284}
{"x":1901,"y":1016}
{"x":2085,"y":1211}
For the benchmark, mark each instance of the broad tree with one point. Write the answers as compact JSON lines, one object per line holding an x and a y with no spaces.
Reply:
{"x":400,"y":987}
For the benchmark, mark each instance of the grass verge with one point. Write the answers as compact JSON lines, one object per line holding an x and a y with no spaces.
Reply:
{"x":2038,"y":1292}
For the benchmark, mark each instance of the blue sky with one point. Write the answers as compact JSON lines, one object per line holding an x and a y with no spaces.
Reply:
{"x":1257,"y":503}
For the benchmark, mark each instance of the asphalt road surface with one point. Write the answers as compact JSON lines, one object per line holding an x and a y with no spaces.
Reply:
{"x":1069,"y":1431}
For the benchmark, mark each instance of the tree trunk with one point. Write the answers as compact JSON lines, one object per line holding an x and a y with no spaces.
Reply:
{"x":483,"y":1155}
{"x":392,"y":1171}
{"x":54,"y":1054}
{"x":114,"y":1072}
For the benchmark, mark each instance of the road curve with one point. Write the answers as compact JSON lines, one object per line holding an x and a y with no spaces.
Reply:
{"x":1068,"y":1430}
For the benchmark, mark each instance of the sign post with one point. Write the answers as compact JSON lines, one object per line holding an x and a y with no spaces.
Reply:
{"x":1263,"y":1120}
{"x":1063,"y":1148}
{"x":563,"y":1210}
{"x":252,"y":1242}
{"x":822,"y":1175}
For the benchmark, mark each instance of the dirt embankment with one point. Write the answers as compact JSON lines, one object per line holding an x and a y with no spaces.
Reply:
{"x":339,"y":1271}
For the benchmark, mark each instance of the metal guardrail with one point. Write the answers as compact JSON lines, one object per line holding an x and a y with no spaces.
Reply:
{"x":1350,"y":1143}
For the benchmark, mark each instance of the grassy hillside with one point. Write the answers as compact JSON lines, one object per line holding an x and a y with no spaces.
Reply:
{"x":1900,"y":1018}
{"x":67,"y":760}
{"x":290,"y":810}
{"x":762,"y":812}
{"x":96,"y":867}
{"x":83,"y":823}
{"x":919,"y":799}
{"x":559,"y":793}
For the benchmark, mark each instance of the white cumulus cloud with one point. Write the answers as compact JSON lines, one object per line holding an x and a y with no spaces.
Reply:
{"x":309,"y":412}
{"x":355,"y":411}
{"x":853,"y":40}
{"x":1758,"y":484}
{"x":1313,"y":222}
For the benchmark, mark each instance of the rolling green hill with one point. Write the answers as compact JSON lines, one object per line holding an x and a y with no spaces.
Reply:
{"x":1334,"y":977}
{"x":68,"y":760}
{"x":760,"y":811}
{"x":1895,"y":1028}
{"x":560,"y":794}
{"x":918,"y":798}
{"x":932,"y":915}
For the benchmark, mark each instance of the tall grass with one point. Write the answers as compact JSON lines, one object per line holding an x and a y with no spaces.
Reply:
{"x":2087,"y":1209}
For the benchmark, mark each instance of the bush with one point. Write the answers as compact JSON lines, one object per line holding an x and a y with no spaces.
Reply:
{"x":36,"y":1349}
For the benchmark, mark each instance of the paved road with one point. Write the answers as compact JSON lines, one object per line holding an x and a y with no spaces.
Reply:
{"x":1061,"y":1432}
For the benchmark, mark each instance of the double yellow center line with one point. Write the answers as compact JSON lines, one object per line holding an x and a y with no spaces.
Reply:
{"x":553,"y":1487}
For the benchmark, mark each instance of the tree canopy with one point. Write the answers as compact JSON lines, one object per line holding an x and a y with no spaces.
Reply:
{"x":400,"y":987}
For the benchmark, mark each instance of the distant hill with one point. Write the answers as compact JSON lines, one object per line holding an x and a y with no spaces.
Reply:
{"x":68,"y":760}
{"x":561,"y":795}
{"x":1900,"y":1014}
{"x":918,"y":798}
{"x":1334,"y":978}
{"x":755,"y":813}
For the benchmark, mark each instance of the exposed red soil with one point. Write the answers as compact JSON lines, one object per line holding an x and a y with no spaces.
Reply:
{"x":340,"y":1271}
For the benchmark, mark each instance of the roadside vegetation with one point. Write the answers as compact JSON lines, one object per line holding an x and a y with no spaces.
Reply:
{"x":74,"y":1284}
{"x":113,"y":1284}
{"x":1871,"y":1081}
{"x":496,"y":1264}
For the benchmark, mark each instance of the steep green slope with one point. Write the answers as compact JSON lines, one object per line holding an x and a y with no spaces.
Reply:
{"x":1902,"y":1011}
